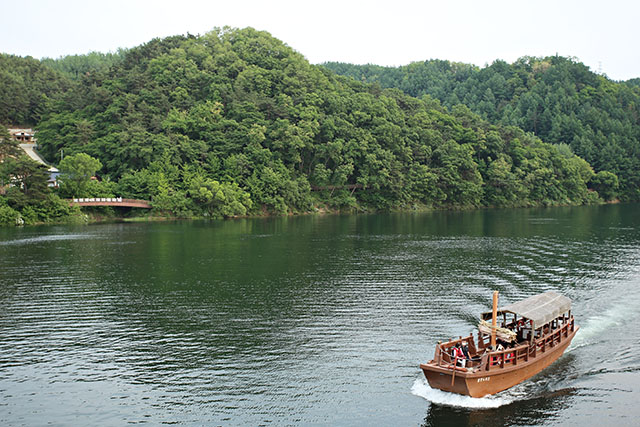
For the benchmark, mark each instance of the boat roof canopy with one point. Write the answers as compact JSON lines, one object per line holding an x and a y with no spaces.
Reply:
{"x":541,"y":308}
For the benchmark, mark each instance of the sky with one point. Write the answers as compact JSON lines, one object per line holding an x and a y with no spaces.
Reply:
{"x":601,"y":34}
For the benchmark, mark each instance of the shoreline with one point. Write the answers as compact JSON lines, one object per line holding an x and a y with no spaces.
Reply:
{"x":87,"y":218}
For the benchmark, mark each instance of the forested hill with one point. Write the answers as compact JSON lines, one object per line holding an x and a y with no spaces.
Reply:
{"x":27,"y":89}
{"x":556,"y":98}
{"x":236,"y":122}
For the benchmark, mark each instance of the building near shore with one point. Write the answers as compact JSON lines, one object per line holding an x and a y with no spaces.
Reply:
{"x":28,"y":143}
{"x":23,"y":135}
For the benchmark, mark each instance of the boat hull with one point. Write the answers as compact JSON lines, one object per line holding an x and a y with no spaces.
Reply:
{"x":485,"y":382}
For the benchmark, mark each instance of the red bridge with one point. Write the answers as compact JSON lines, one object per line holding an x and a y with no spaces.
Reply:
{"x":111,"y":201}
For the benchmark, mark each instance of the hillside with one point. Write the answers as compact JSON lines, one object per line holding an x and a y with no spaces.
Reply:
{"x":236,"y":122}
{"x":27,"y":89}
{"x":558,"y":99}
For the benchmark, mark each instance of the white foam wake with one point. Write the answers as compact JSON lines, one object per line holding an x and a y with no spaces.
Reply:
{"x":421,"y":388}
{"x":615,"y":317}
{"x":48,"y":238}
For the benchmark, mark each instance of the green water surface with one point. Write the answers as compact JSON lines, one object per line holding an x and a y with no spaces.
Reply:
{"x":314,"y":320}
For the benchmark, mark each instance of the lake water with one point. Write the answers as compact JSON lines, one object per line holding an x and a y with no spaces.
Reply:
{"x":314,"y":320}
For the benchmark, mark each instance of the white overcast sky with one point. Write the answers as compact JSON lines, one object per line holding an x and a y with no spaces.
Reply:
{"x":602,"y":34}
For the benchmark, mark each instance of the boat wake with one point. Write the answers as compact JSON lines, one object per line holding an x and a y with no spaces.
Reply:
{"x":595,"y":326}
{"x":620,"y":314}
{"x":421,"y":388}
{"x":47,"y":238}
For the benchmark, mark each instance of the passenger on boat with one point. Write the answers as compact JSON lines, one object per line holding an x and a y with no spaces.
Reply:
{"x":465,"y":350}
{"x":494,"y":359}
{"x":458,"y":355}
{"x":488,"y":349}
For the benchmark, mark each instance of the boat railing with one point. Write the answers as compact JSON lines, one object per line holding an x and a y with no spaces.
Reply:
{"x":522,"y":353}
{"x":507,"y":357}
{"x":552,"y":338}
{"x":443,"y":357}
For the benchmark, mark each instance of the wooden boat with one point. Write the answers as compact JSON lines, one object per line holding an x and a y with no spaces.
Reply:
{"x":522,"y":339}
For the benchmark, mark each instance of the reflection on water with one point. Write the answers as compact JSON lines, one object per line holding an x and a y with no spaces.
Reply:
{"x":310,"y":320}
{"x":526,"y":411}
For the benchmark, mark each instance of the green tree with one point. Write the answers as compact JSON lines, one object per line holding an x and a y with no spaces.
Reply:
{"x":9,"y":216}
{"x":606,"y":184}
{"x":502,"y":184}
{"x":27,"y":178}
{"x":8,"y":147}
{"x":220,"y":199}
{"x":76,"y":173}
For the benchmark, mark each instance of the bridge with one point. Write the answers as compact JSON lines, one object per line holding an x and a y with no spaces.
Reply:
{"x":111,"y":201}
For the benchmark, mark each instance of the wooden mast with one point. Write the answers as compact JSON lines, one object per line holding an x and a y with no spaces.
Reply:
{"x":494,"y":319}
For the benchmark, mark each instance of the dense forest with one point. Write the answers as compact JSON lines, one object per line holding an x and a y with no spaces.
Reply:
{"x":235,"y":122}
{"x":556,"y":98}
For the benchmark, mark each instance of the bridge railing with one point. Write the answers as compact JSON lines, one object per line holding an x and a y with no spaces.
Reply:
{"x":102,"y":199}
{"x":110,"y":201}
